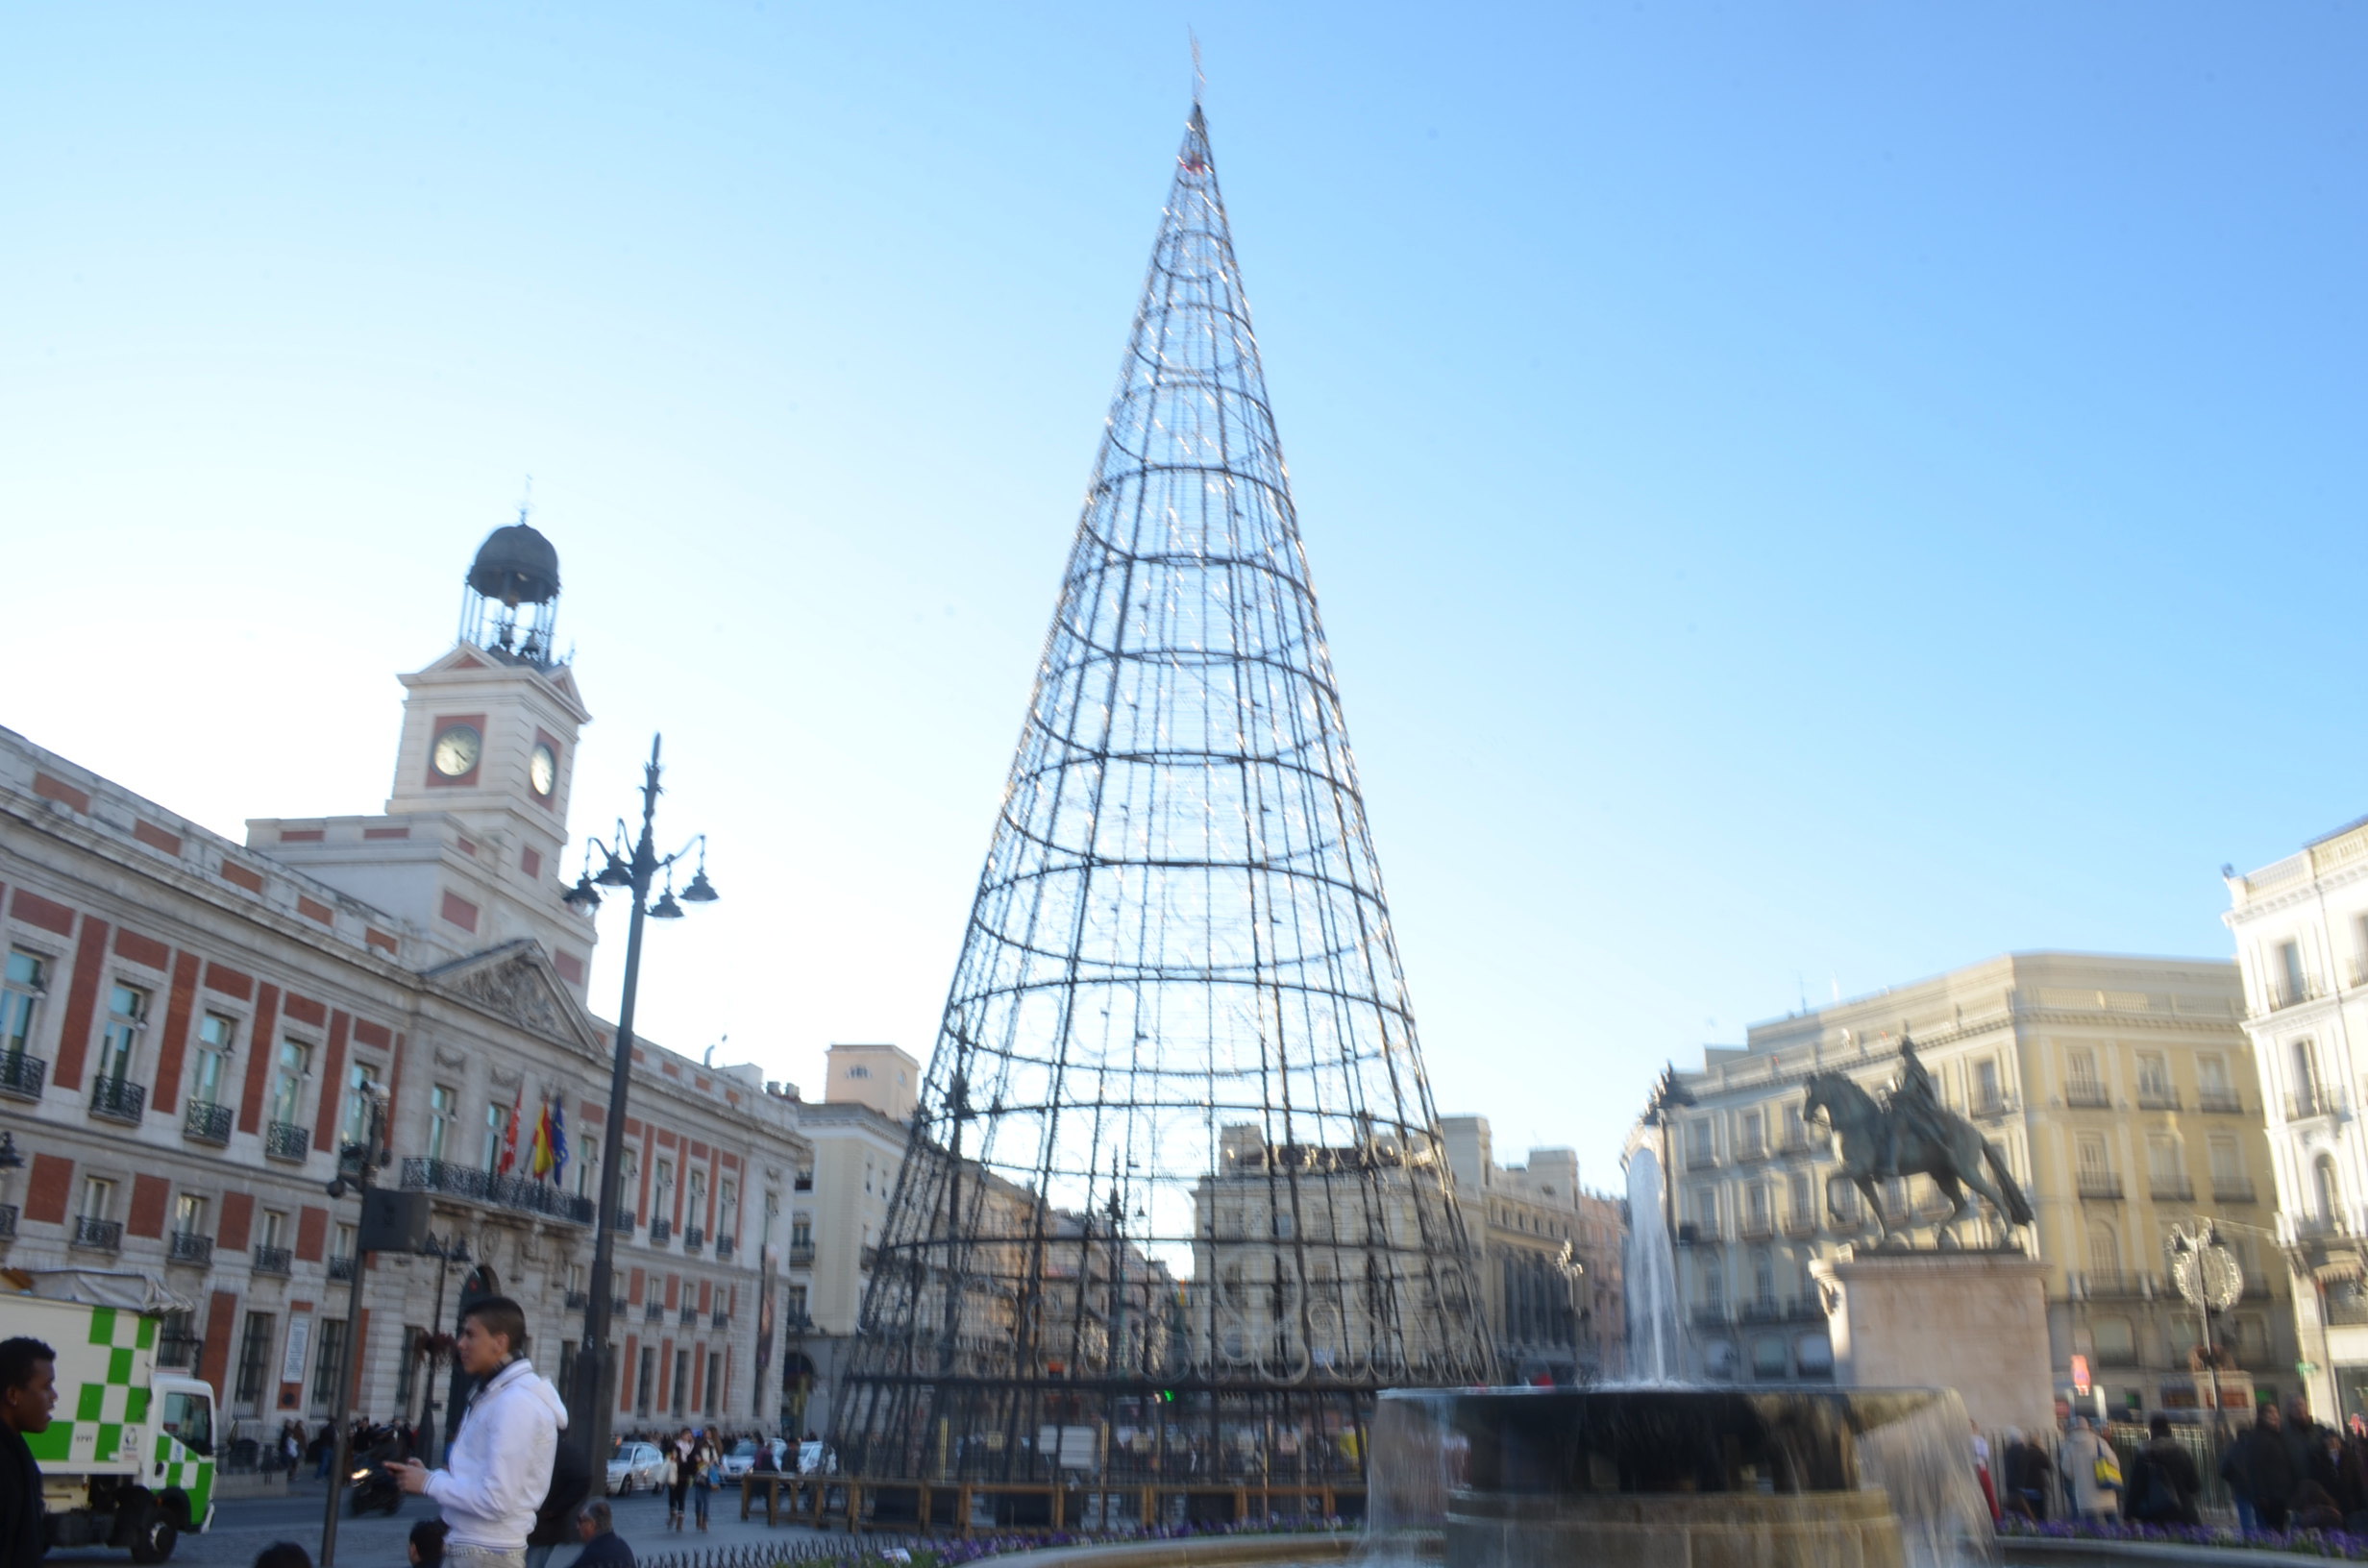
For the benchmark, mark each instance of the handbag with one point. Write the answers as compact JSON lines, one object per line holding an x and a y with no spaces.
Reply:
{"x":2107,"y":1471}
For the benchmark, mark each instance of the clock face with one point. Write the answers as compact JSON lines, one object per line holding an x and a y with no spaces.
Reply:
{"x":456,"y":750}
{"x":543,"y":769}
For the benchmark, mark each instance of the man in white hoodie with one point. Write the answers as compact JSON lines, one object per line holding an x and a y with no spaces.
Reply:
{"x":498,"y":1466}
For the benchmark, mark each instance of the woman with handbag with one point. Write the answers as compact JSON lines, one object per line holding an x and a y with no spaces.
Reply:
{"x":705,"y":1459}
{"x":678,"y":1477}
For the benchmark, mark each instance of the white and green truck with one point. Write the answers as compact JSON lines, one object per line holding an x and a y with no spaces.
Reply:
{"x":129,"y":1456}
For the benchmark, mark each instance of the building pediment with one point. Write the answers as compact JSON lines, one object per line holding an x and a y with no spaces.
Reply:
{"x":515,"y":981}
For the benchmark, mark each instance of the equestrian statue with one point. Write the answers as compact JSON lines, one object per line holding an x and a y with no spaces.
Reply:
{"x":1910,"y":1133}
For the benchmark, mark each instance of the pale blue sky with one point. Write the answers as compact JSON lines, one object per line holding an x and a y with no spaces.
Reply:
{"x":1802,"y":495}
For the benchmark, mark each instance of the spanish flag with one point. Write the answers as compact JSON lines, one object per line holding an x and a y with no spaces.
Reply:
{"x":541,"y":1159}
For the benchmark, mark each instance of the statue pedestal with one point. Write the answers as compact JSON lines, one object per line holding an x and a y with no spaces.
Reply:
{"x":1972,"y":1321}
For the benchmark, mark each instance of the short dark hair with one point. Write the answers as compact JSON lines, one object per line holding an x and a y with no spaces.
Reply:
{"x":498,"y":1315}
{"x":2159,"y":1425}
{"x":599,"y":1515}
{"x":284,"y":1554}
{"x":18,"y":1358}
{"x":428,"y":1540}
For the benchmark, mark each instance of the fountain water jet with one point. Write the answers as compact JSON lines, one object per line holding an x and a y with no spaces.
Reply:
{"x":1656,"y":1329}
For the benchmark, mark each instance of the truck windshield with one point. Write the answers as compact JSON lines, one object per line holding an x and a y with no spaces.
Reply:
{"x":190,"y":1419}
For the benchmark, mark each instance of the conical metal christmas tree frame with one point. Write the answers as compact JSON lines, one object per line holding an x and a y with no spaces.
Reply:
{"x":1175,"y":1205}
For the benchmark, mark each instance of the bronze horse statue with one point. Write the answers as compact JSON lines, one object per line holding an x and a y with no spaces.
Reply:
{"x":1943,"y":1145}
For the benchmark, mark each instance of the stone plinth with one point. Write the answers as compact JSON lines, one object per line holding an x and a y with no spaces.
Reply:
{"x":1804,"y":1530}
{"x":1972,"y":1321}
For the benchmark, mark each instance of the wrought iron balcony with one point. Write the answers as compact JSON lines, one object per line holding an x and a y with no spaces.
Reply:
{"x":204,"y":1123}
{"x":2220,"y":1101}
{"x":719,"y":1319}
{"x":661,"y":1231}
{"x":690,"y":1315}
{"x":654,"y":1312}
{"x":285,"y":1140}
{"x":2083,"y":1094}
{"x":803,"y":1182}
{"x":693,"y":1238}
{"x":273,"y":1261}
{"x":579,"y":1300}
{"x":105,"y":1234}
{"x":2170,"y":1189}
{"x":8,"y":1219}
{"x":22,"y":1074}
{"x":802,"y":1255}
{"x":2233,"y":1190}
{"x":2285,"y":993}
{"x":1991,"y":1106}
{"x":522,"y":1194}
{"x":623,"y":1222}
{"x":2156,"y":1097}
{"x":725,"y":1245}
{"x":341,"y":1268}
{"x":118,"y":1099}
{"x":184,"y":1247}
{"x":2100,"y":1185}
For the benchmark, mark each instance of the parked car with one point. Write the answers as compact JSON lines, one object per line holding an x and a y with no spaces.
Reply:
{"x":742,"y":1458}
{"x":635,"y":1466}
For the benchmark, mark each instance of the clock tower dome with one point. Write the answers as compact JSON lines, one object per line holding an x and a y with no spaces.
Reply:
{"x":474,"y":828}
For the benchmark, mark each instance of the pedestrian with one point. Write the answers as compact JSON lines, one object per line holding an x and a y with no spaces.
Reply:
{"x":2236,"y":1474}
{"x":28,"y":1394}
{"x":554,"y":1522}
{"x":2091,"y":1474}
{"x":705,"y":1459}
{"x":678,"y":1477}
{"x":2270,"y":1470}
{"x":2162,"y":1482}
{"x":602,"y":1547}
{"x":427,"y":1543}
{"x":1980,"y":1469}
{"x":498,"y":1464}
{"x":2026,"y":1475}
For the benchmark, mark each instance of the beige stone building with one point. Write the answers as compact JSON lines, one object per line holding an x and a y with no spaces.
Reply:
{"x":1549,"y":1259}
{"x":2122,"y":1092}
{"x":2301,"y":941}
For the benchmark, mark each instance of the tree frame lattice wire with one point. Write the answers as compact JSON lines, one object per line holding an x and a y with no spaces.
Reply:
{"x":1174,"y":1206}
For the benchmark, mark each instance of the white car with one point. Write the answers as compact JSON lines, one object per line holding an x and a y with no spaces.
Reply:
{"x":635,"y":1466}
{"x":742,"y":1458}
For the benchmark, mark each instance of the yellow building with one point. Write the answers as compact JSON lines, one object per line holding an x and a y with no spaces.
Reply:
{"x":2122,"y":1093}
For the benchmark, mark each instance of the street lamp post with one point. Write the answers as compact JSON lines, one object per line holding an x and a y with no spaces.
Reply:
{"x":357,"y":1164}
{"x":593,"y":1396}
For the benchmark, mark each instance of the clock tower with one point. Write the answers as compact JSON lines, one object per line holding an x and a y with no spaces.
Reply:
{"x":469,"y":847}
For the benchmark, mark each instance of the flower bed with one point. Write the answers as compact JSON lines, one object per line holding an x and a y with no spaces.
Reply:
{"x":2338,"y":1544}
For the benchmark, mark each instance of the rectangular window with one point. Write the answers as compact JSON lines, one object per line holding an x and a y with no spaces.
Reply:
{"x":795,"y":1297}
{"x":2154,"y":1076}
{"x":26,"y":983}
{"x":698,"y":1199}
{"x":727,"y":1208}
{"x":344,"y":1247}
{"x":328,"y":1348}
{"x":98,"y":1198}
{"x":361,"y":1088}
{"x":2093,"y":1162}
{"x":2162,"y":1161}
{"x":715,"y":1382}
{"x":1802,"y":1210}
{"x":126,"y":1015}
{"x":275,"y":1229}
{"x":587,"y":1163}
{"x":662,"y":1183}
{"x":1699,"y":1144}
{"x":2211,"y":1074}
{"x":628,"y":1183}
{"x":1751,"y":1136}
{"x":1986,"y":1093}
{"x":289,"y":1070}
{"x":646,"y":1382}
{"x":2292,"y":987}
{"x":2080,"y":1072}
{"x":254,"y":1358}
{"x":497,"y":1122}
{"x":1796,"y":1131}
{"x":216,"y":1038}
{"x":189,"y":1215}
{"x":683,"y":1381}
{"x":800,"y":1231}
{"x":406,"y":1370}
{"x":443,"y":1115}
{"x":2228,"y":1160}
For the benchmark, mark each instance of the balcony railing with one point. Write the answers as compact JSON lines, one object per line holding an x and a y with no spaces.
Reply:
{"x":2100,"y":1185}
{"x":719,"y":1319}
{"x":661,"y":1231}
{"x":803,"y":1182}
{"x":341,"y":1268}
{"x":285,"y":1140}
{"x":2346,"y":1308}
{"x":2233,"y":1190}
{"x":204,"y":1123}
{"x":2313,"y":1100}
{"x":724,"y":1246}
{"x":690,"y":1315}
{"x":623,"y":1223}
{"x":2111,"y":1286}
{"x":2285,"y":993}
{"x":1701,"y":1160}
{"x":1765,"y":1309}
{"x":2088,"y":1097}
{"x":118,"y":1099}
{"x":2220,"y":1101}
{"x":22,"y":1074}
{"x":693,"y":1238}
{"x":2156,"y":1097}
{"x":654,"y":1312}
{"x":1750,"y":1154}
{"x":1757,"y":1227}
{"x":579,"y":1301}
{"x":2317,"y":1226}
{"x":185,"y":1247}
{"x":521,"y":1194}
{"x":105,"y":1234}
{"x":273,"y":1261}
{"x":2170,"y":1189}
{"x":8,"y":1219}
{"x":1800,"y":1224}
{"x":1990,"y":1107}
{"x":802,"y":1255}
{"x":177,"y":1349}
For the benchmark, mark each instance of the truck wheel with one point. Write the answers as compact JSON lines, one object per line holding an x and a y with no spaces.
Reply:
{"x":157,"y":1536}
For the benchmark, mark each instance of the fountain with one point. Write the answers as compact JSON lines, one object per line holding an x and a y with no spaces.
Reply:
{"x":1656,"y":1331}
